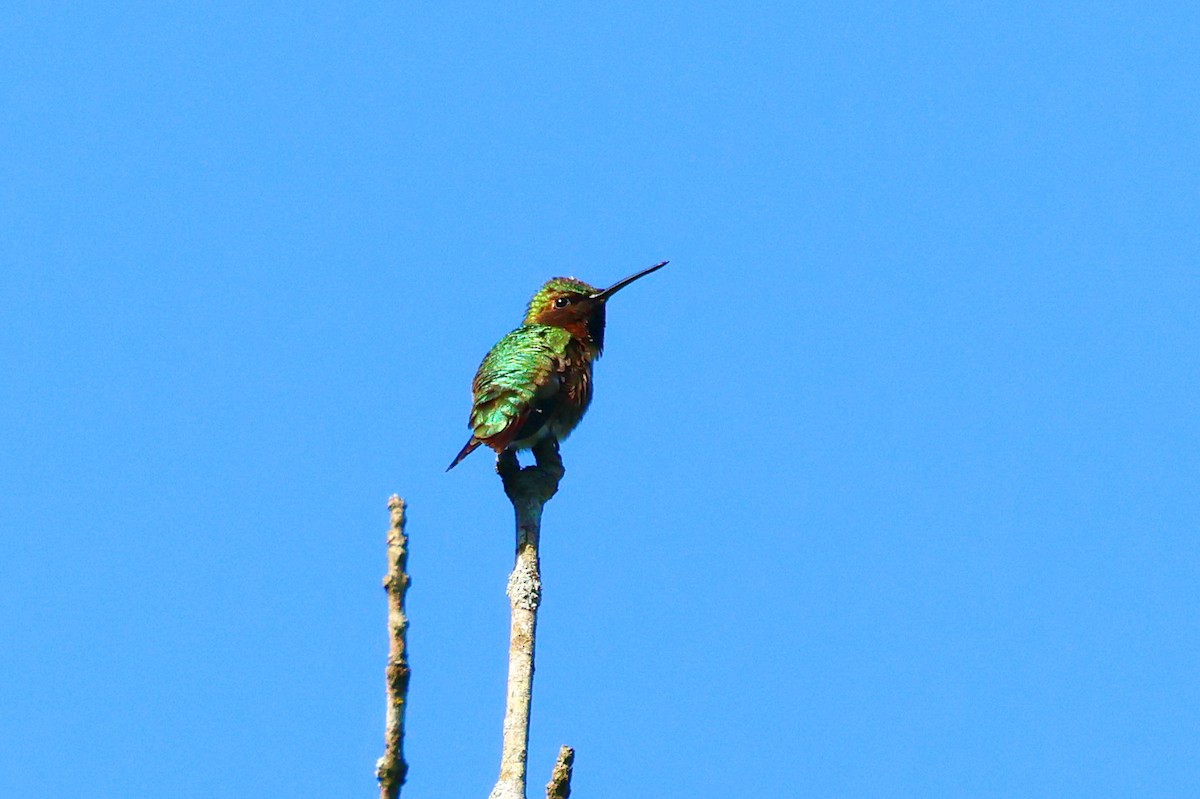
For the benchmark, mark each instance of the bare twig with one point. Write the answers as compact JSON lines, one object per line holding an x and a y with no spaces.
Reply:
{"x":391,"y":769}
{"x":560,"y":780}
{"x":528,"y":489}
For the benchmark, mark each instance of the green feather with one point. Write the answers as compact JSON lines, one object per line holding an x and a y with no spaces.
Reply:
{"x":512,"y":374}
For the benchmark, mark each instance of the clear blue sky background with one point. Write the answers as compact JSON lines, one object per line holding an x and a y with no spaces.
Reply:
{"x":890,"y":483}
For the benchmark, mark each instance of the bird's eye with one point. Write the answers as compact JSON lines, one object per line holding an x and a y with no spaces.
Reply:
{"x":562,"y":302}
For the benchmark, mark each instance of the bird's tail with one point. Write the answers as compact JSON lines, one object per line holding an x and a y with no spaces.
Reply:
{"x":467,"y":449}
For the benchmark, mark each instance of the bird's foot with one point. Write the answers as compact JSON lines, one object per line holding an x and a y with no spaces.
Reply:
{"x":507,"y":465}
{"x":545,"y":453}
{"x":539,"y":481}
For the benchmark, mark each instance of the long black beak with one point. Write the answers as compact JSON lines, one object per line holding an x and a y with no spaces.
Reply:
{"x":620,"y":284}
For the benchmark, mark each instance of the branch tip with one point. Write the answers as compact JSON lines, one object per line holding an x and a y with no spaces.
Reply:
{"x":391,"y":769}
{"x":528,"y":489}
{"x":559,"y":786}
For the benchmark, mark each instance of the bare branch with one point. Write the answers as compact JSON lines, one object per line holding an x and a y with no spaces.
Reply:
{"x":560,"y":779}
{"x":391,"y":770}
{"x":528,"y":489}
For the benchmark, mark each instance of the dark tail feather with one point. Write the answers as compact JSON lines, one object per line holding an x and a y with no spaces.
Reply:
{"x":464,"y":452}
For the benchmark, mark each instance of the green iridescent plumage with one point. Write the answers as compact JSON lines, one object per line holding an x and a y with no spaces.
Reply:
{"x":521,"y":366}
{"x":537,"y":381}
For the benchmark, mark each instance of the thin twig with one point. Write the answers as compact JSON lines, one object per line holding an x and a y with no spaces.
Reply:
{"x":528,"y":489}
{"x":391,"y":769}
{"x":560,"y":779}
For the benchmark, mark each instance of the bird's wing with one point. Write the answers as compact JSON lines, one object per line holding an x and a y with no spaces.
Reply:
{"x":520,"y":373}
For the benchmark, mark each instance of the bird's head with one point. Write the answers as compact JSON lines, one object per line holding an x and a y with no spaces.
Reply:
{"x":576,"y":306}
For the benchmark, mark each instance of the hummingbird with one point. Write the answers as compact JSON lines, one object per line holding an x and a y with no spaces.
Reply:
{"x":537,"y":381}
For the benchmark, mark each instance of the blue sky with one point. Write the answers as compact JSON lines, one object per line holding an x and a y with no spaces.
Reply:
{"x":889,"y":487}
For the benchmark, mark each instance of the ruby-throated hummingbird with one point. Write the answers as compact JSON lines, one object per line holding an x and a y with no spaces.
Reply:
{"x":537,"y":380}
